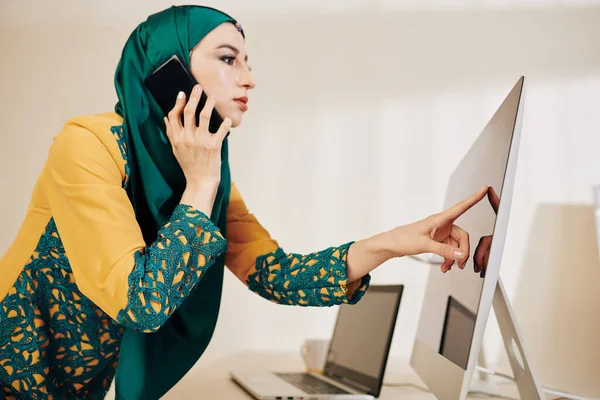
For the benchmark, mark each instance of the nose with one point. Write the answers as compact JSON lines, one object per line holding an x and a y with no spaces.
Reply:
{"x":246,"y":80}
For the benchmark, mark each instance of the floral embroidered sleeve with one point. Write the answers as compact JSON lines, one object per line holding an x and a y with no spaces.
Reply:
{"x":165,"y":273}
{"x":316,"y":279}
{"x":137,"y":284}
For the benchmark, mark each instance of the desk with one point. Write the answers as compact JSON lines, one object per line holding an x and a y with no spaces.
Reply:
{"x":212,"y":381}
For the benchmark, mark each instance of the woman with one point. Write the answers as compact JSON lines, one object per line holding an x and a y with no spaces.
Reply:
{"x":118,"y":267}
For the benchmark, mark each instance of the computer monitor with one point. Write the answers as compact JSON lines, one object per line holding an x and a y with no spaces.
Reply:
{"x":457,"y":304}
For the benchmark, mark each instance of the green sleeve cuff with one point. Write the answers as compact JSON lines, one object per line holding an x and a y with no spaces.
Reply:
{"x":318,"y":279}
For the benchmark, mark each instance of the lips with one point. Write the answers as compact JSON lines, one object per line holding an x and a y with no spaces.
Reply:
{"x":242,"y":102}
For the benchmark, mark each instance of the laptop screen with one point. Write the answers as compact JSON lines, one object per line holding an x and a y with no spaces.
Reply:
{"x":362,"y":336}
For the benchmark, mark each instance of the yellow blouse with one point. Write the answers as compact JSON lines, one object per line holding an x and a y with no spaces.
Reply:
{"x":78,"y":271}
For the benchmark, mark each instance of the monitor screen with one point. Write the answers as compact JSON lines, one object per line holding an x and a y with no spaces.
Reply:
{"x":362,"y":337}
{"x":451,"y":302}
{"x":456,"y":336}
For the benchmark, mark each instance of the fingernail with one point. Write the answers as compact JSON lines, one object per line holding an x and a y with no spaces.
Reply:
{"x":180,"y":95}
{"x":458,"y":254}
{"x":197,"y":88}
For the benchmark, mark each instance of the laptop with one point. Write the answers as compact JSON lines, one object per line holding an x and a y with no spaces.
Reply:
{"x":356,"y":358}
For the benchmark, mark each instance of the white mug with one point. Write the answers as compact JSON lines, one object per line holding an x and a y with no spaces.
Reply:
{"x":314,"y":353}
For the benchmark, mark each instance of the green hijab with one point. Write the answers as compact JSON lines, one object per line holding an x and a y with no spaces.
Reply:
{"x":150,"y":364}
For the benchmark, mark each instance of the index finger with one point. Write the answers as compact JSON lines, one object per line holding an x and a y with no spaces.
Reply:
{"x":459,"y":209}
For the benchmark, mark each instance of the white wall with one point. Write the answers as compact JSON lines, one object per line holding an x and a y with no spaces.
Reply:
{"x":362,"y":110}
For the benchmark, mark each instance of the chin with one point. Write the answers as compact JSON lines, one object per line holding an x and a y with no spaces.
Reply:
{"x":236,"y":119}
{"x":236,"y":122}
{"x":234,"y":115}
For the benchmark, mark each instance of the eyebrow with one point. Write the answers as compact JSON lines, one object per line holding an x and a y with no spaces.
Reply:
{"x":232,"y":48}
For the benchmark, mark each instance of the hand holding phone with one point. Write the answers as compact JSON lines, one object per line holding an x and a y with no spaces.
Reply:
{"x":197,"y":150}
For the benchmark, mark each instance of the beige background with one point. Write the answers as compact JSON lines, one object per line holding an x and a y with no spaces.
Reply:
{"x":362,"y":110}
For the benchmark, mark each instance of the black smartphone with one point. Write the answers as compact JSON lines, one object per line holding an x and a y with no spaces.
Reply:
{"x":168,"y":80}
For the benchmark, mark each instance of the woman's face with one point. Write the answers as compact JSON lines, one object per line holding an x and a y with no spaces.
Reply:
{"x":220,"y":65}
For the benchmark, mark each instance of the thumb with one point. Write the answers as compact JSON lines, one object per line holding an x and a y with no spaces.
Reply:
{"x":447,"y":251}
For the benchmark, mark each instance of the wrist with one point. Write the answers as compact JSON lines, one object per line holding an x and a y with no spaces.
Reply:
{"x":200,"y":196}
{"x":198,"y":185}
{"x":367,"y":254}
{"x":381,"y":246}
{"x":402,"y":241}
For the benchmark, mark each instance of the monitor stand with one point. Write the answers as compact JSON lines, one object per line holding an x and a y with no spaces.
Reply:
{"x":527,"y":384}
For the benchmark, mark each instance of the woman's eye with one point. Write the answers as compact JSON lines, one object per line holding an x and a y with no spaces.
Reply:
{"x":228,"y":59}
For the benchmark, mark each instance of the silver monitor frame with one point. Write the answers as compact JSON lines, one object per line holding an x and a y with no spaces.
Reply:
{"x":445,"y":379}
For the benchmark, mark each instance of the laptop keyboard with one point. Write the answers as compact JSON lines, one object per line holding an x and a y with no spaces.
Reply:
{"x":310,"y":384}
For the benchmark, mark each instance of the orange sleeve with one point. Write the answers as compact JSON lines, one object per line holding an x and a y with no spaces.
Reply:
{"x":316,"y":279}
{"x":247,"y":238}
